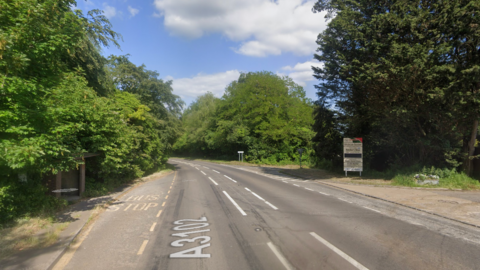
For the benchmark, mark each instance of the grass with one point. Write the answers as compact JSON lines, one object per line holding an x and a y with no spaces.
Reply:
{"x":28,"y":233}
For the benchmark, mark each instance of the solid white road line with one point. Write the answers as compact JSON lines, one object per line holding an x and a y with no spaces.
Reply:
{"x":280,"y":256}
{"x":371,"y":209}
{"x":271,"y":205}
{"x":142,"y":248}
{"x":215,"y":171}
{"x":339,"y":252}
{"x":203,"y":173}
{"x":234,"y":203}
{"x":344,"y":200}
{"x":213,"y":181}
{"x":324,"y":193}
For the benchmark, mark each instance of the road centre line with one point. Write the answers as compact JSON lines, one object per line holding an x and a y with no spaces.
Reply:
{"x":372,"y":209}
{"x":324,"y":193}
{"x":166,"y":197}
{"x":142,"y":248}
{"x":234,"y":203}
{"x":280,"y":256}
{"x":213,"y":181}
{"x":339,"y":252}
{"x":153,"y":226}
{"x":203,"y":173}
{"x":163,"y":204}
{"x":215,"y":171}
{"x":159,"y":212}
{"x":168,"y":191}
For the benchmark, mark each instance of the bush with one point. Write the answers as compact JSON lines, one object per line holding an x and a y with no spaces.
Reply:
{"x":25,"y":199}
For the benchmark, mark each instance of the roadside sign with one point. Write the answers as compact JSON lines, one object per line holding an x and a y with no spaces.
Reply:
{"x":240,"y":155}
{"x":353,"y":155}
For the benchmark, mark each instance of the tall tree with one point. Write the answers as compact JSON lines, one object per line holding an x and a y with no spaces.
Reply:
{"x":405,"y":73}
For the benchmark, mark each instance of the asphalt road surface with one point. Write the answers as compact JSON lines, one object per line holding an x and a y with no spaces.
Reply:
{"x":212,"y":216}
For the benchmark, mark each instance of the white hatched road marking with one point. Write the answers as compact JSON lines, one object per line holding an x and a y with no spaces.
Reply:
{"x":234,"y":203}
{"x":339,"y":252}
{"x":371,"y":209}
{"x":213,"y":181}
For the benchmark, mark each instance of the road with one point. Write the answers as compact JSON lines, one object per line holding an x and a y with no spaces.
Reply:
{"x":213,"y":216}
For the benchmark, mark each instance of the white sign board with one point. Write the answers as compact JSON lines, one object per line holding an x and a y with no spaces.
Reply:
{"x":240,"y":152}
{"x":352,"y":154}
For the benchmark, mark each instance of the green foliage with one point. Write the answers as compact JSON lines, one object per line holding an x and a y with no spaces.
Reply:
{"x":404,"y":76}
{"x":58,"y":100}
{"x":265,"y":115}
{"x":17,"y":199}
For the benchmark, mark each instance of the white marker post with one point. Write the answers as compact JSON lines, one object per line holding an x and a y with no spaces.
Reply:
{"x":353,"y":155}
{"x":240,"y":153}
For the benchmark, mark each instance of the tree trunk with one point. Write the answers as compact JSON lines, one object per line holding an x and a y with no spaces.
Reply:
{"x":471,"y":148}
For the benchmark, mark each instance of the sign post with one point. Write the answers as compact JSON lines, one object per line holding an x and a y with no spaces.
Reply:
{"x":240,"y":153}
{"x":300,"y":151}
{"x":353,"y":155}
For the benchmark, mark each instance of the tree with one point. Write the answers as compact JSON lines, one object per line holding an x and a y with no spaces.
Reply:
{"x":405,"y":74}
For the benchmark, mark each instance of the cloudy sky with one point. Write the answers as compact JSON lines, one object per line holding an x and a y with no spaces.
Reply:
{"x":203,"y":45}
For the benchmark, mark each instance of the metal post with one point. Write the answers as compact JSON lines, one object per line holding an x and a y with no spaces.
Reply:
{"x":82,"y":180}
{"x":300,"y":160}
{"x":345,"y":173}
{"x":58,"y":183}
{"x":242,"y":157}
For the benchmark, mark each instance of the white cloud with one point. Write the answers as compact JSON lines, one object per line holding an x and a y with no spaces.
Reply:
{"x":301,"y":73}
{"x":264,"y":27}
{"x":109,"y":11}
{"x":190,"y":88}
{"x":133,"y":11}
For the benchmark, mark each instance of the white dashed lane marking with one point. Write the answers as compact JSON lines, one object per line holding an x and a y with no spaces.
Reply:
{"x":203,"y":173}
{"x":213,"y":181}
{"x":309,"y":189}
{"x":296,"y":185}
{"x":234,"y":203}
{"x":324,"y":193}
{"x":230,"y":178}
{"x":344,"y":200}
{"x":371,"y":209}
{"x":339,"y":252}
{"x":215,"y":171}
{"x":256,"y":195}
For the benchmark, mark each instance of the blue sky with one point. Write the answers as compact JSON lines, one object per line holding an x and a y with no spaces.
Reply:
{"x":202,"y":45}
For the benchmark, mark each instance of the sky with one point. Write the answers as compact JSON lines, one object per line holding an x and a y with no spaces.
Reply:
{"x":203,"y":45}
